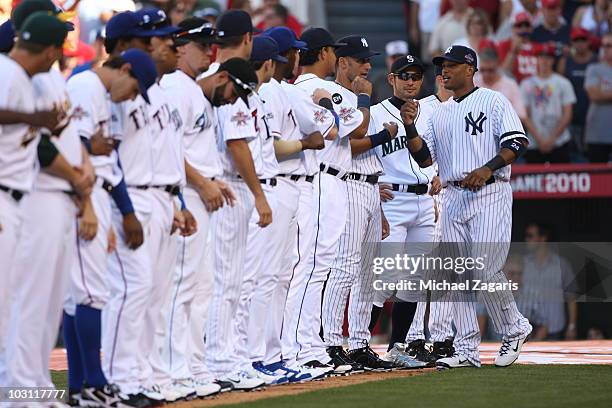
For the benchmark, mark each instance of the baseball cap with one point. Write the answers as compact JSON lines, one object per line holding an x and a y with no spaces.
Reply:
{"x":143,"y":69}
{"x":155,"y":19}
{"x":547,"y":49}
{"x":27,"y":7}
{"x":523,"y":17}
{"x":399,"y":47}
{"x":579,"y":32}
{"x":44,"y":29}
{"x":240,"y":72}
{"x":551,"y":3}
{"x":407,"y":61}
{"x":318,"y":37}
{"x":126,"y":24}
{"x":356,"y":47}
{"x":7,"y":36}
{"x":285,"y":38}
{"x":195,"y":29}
{"x":233,"y":23}
{"x":458,"y":54}
{"x":265,"y":48}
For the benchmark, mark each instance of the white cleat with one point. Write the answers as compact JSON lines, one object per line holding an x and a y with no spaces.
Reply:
{"x":455,"y":361}
{"x":509,"y":351}
{"x":205,"y":388}
{"x":170,"y":393}
{"x":154,"y":393}
{"x":185,"y":388}
{"x":243,"y":381}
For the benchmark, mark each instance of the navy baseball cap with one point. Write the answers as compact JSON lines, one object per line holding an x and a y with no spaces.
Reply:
{"x":155,"y":19}
{"x":7,"y":36}
{"x":317,"y":37}
{"x":265,"y":48}
{"x":458,"y":54}
{"x":233,"y":23}
{"x":404,"y":62}
{"x":356,"y":47}
{"x":285,"y":38}
{"x":126,"y":24}
{"x":143,"y":69}
{"x":195,"y":29}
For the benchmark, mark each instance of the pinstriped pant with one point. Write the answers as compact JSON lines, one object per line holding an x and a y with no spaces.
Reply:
{"x":479,"y":225}
{"x":351,"y":271}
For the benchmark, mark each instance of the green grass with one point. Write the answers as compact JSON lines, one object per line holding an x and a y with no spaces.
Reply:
{"x":520,"y":386}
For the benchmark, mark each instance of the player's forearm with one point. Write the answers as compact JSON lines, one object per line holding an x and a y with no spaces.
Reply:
{"x":193,"y":177}
{"x":243,"y":160}
{"x":8,"y":117}
{"x":359,"y":146}
{"x":417,"y":147}
{"x":284,"y":148}
{"x":60,"y":167}
{"x":360,"y":131}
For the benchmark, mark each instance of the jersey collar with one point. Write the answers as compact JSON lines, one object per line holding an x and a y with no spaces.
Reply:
{"x":461,"y":98}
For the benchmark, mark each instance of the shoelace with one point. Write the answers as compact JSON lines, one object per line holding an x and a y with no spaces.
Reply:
{"x":372,"y":353}
{"x":505,"y":348}
{"x":341,"y":354}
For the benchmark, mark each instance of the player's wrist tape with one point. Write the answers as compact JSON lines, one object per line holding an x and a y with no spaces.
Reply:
{"x":496,"y":163}
{"x":326,"y":103}
{"x":363,"y":101}
{"x":381,"y":137}
{"x":516,"y":145}
{"x":122,"y":198}
{"x":411,"y":131}
{"x":182,"y":200}
{"x":422,"y":155}
{"x":47,"y":152}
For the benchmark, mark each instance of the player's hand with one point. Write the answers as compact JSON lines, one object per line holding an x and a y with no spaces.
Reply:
{"x":101,"y":145}
{"x":82,"y":184}
{"x":385,"y":192}
{"x":314,"y":141}
{"x":191,"y":225}
{"x":49,"y":119}
{"x":264,"y":211}
{"x":228,"y":193}
{"x":178,"y":221}
{"x":409,"y":111}
{"x":436,"y":186}
{"x":360,"y":85}
{"x":319,"y":94}
{"x":386,"y":229}
{"x":134,"y":237}
{"x":477,"y":178}
{"x":391,"y":128}
{"x":112,"y":241}
{"x":88,"y":222}
{"x":332,"y":134}
{"x":211,"y":195}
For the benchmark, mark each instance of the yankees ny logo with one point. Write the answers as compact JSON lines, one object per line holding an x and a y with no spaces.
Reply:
{"x":364,"y":42}
{"x":476,"y":125}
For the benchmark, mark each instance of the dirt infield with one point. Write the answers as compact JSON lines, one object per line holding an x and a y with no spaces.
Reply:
{"x":293,"y":389}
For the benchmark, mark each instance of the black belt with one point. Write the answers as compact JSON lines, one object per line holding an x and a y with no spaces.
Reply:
{"x":15,"y":194}
{"x":491,"y":180}
{"x":371,"y":178}
{"x":418,"y":189}
{"x":170,"y":189}
{"x":334,"y":172}
{"x":271,"y":181}
{"x":297,"y":177}
{"x":143,"y":187}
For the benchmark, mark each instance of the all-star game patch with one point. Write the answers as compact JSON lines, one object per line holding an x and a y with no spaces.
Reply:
{"x":337,"y":98}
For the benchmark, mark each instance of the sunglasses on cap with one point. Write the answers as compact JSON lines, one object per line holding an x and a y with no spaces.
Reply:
{"x":406,"y":76}
{"x":204,"y":27}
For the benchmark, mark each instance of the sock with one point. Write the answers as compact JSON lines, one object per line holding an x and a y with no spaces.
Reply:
{"x":374,"y":316}
{"x":75,"y":366}
{"x":89,"y":331}
{"x":401,"y":319}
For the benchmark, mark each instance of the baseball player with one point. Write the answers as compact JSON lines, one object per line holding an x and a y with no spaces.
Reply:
{"x":330,"y":207}
{"x":90,"y":92}
{"x":480,"y":125}
{"x":183,"y":346}
{"x":350,"y":271}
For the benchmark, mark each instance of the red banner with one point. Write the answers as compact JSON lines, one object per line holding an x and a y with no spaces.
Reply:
{"x":549,"y":181}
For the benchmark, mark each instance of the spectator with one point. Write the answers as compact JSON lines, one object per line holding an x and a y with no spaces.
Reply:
{"x":478,"y":29}
{"x":450,"y":28}
{"x":424,"y":16}
{"x":553,"y":27}
{"x":549,"y":98}
{"x":573,"y":67}
{"x":508,"y":12}
{"x":274,"y":14}
{"x":94,"y":14}
{"x":207,"y":13}
{"x":547,"y":284}
{"x":490,"y":76}
{"x":381,"y":89}
{"x":598,"y":85}
{"x":518,"y":53}
{"x":594,"y":17}
{"x":490,"y":7}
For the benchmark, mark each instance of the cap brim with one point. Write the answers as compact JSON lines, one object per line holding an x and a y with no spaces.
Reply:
{"x":441,"y":58}
{"x":280,"y":58}
{"x":143,"y":92}
{"x":165,"y":31}
{"x":409,"y":65}
{"x":212,"y":70}
{"x":300,"y":45}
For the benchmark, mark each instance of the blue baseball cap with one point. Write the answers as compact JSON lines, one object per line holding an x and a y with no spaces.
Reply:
{"x":126,"y":24}
{"x":265,"y":48}
{"x":143,"y":69}
{"x":155,"y":19}
{"x":285,"y":38}
{"x":7,"y":36}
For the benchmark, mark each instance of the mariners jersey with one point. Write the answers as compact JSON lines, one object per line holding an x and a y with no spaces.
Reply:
{"x":200,"y":122}
{"x":237,"y":121}
{"x":399,"y":166}
{"x":338,"y":151}
{"x":18,"y":141}
{"x":465,"y":133}
{"x":50,"y":91}
{"x":167,"y":131}
{"x":91,"y":113}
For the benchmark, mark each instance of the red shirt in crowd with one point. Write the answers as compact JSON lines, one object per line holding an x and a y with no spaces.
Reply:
{"x":525,"y":63}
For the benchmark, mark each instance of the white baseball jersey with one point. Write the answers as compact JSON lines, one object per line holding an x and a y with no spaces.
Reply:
{"x":91,"y":112}
{"x":167,"y":130}
{"x":398,"y":164}
{"x":50,"y":91}
{"x":337,"y":152}
{"x":237,"y":121}
{"x":268,"y":127}
{"x":466,"y":133}
{"x":17,"y":141}
{"x":200,"y":122}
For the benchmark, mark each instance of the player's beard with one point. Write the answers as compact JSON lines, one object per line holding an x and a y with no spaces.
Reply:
{"x":217,"y":96}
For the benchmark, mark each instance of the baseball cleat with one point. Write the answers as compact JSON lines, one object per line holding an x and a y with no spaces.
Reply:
{"x":258,"y":369}
{"x":296,"y":373}
{"x":370,"y":360}
{"x":154,"y":394}
{"x":226,"y":386}
{"x":509,"y":351}
{"x":342,"y":363}
{"x":443,"y":349}
{"x":401,"y":358}
{"x":138,"y":401}
{"x":242,"y":381}
{"x":455,"y":361}
{"x":107,"y":396}
{"x":417,"y":350}
{"x":185,"y":388}
{"x":328,"y":368}
{"x":205,"y":388}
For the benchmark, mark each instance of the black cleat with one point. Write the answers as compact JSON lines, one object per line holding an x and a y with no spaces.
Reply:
{"x":137,"y":400}
{"x":370,"y":360}
{"x":226,"y":386}
{"x":416,"y":349}
{"x":443,"y":349}
{"x":341,"y":361}
{"x":105,"y":396}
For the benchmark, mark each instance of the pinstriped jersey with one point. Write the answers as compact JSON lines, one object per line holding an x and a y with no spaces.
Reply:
{"x":465,"y":133}
{"x":399,"y":166}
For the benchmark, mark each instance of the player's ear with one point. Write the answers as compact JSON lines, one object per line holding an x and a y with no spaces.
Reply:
{"x":391,"y":79}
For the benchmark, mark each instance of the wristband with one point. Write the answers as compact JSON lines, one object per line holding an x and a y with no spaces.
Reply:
{"x":122,"y":198}
{"x":47,"y":151}
{"x":182,"y":200}
{"x":363,"y":101}
{"x":336,"y":118}
{"x":380,"y":138}
{"x":496,"y":163}
{"x":422,"y":155}
{"x":326,"y":103}
{"x":411,"y":131}
{"x":87,"y":143}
